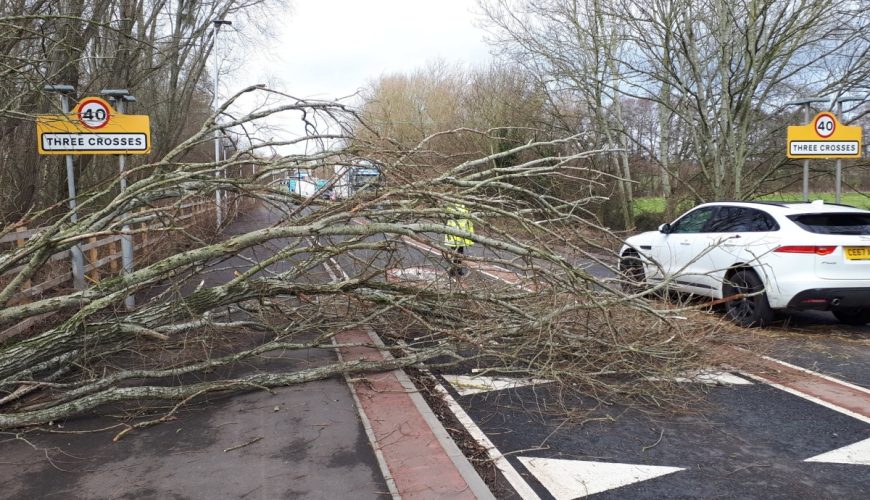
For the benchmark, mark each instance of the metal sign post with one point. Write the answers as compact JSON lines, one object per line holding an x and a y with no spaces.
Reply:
{"x":824,"y":137}
{"x":839,"y":167}
{"x":121,"y":97}
{"x":805,"y":103}
{"x":92,"y":127}
{"x":806,"y":183}
{"x":76,"y":256}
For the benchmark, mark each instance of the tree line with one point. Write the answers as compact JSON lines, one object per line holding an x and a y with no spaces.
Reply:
{"x":157,"y":49}
{"x":689,"y":98}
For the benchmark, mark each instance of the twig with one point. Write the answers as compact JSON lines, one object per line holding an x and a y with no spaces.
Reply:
{"x":662,"y":433}
{"x":243,"y":445}
{"x":747,"y":467}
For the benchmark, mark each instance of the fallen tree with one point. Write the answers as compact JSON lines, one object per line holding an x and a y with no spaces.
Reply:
{"x":321,"y":267}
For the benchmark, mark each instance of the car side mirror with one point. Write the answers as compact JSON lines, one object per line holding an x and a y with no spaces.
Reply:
{"x":665,"y":228}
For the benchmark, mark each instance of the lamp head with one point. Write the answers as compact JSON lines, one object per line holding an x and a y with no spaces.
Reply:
{"x":61,"y":89}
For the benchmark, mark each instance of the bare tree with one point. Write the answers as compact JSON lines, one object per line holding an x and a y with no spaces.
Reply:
{"x":156,"y":49}
{"x":573,"y":47}
{"x":715,"y":68}
{"x":554,"y":320}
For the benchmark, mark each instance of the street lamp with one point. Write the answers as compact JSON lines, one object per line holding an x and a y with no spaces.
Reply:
{"x":120,"y":97}
{"x":217,"y":133}
{"x":76,"y":256}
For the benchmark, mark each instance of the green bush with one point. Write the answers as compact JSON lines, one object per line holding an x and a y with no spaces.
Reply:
{"x":649,"y":221}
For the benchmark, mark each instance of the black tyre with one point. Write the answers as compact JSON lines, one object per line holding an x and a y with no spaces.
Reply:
{"x":752,"y":309}
{"x":855,"y":317}
{"x":631,"y":272}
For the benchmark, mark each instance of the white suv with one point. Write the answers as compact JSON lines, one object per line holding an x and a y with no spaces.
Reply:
{"x":761,"y":257}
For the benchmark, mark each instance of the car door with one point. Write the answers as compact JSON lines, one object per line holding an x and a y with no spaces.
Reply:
{"x":657,"y":255}
{"x":735,"y":235}
{"x":686,"y":243}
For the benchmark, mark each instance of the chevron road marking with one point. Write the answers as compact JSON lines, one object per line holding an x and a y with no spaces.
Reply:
{"x":567,"y":479}
{"x":469,"y":384}
{"x":854,"y":454}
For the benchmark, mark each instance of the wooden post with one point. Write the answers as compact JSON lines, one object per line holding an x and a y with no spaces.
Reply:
{"x":115,"y":252}
{"x":94,"y":256}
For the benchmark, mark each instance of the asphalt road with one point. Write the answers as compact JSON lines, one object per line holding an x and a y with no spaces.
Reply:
{"x":748,"y":438}
{"x":752,"y":439}
{"x":294,"y":442}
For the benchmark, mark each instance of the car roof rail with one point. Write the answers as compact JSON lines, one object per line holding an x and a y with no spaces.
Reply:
{"x":758,"y":202}
{"x":819,"y":202}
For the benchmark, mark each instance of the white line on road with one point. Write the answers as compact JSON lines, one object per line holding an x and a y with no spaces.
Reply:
{"x":813,"y":399}
{"x":467,"y":385}
{"x":854,"y":454}
{"x":501,"y":462}
{"x":820,"y":375}
{"x":486,"y":270}
{"x":567,"y":479}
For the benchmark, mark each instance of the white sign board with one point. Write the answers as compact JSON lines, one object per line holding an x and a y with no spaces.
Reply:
{"x":94,"y":142}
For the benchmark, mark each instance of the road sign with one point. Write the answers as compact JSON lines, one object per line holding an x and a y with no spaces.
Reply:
{"x":93,"y":128}
{"x":824,"y":137}
{"x":94,"y":113}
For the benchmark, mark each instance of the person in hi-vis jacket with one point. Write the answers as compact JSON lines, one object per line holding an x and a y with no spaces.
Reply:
{"x":458,"y":219}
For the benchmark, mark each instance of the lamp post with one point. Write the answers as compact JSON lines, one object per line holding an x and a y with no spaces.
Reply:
{"x":217,"y":133}
{"x":120,"y":97}
{"x":76,"y":256}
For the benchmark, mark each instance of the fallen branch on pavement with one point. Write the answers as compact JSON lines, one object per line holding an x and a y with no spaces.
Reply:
{"x":214,"y":308}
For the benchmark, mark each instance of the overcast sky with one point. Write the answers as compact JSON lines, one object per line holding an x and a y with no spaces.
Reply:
{"x":328,"y":49}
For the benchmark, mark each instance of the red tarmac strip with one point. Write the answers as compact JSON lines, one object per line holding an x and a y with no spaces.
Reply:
{"x":824,"y":389}
{"x":417,"y":460}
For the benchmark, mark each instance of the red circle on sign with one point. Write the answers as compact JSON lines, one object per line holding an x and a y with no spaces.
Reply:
{"x":825,"y":125}
{"x":93,"y":113}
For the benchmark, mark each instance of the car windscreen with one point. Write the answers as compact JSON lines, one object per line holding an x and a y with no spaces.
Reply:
{"x":834,"y":223}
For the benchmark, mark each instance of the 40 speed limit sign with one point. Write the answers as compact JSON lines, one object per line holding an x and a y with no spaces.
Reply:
{"x":94,"y":128}
{"x":94,"y":113}
{"x":824,"y":137}
{"x":825,"y":125}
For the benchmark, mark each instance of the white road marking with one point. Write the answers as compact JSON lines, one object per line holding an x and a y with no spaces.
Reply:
{"x":427,"y":274}
{"x":508,"y":471}
{"x":567,"y":479}
{"x":485,"y":269}
{"x":709,"y":377}
{"x":491,"y":269}
{"x":812,"y":399}
{"x":467,"y":384}
{"x":854,"y":454}
{"x":422,"y":246}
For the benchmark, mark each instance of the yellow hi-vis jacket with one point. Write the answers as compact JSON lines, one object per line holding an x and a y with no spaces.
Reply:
{"x":457,"y":211}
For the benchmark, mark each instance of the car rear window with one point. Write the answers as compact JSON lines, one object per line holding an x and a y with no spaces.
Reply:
{"x":834,"y":223}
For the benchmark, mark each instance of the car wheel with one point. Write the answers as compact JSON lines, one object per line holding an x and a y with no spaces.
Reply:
{"x":752,"y":309}
{"x":631,"y":272}
{"x":855,"y":317}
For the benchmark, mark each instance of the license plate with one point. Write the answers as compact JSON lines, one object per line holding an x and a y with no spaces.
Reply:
{"x":857,"y":253}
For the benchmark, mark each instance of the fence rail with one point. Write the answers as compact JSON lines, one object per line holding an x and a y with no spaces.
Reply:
{"x":99,"y":254}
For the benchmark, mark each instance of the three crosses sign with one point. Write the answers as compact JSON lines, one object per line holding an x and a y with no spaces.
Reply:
{"x":824,"y":137}
{"x":93,"y":128}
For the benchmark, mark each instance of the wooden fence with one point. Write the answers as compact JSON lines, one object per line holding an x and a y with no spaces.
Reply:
{"x":102,"y":257}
